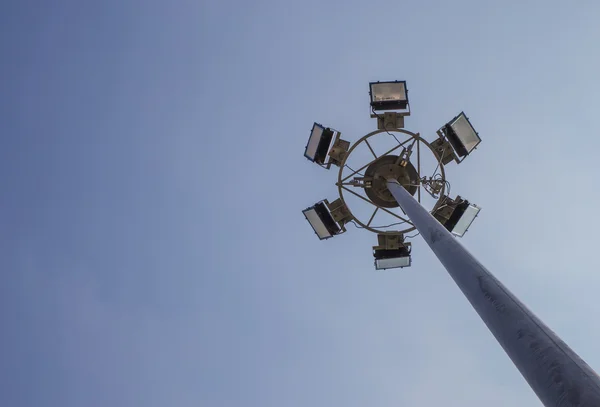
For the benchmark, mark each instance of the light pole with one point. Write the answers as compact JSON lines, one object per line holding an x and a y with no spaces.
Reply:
{"x":555,"y":373}
{"x":558,"y":376}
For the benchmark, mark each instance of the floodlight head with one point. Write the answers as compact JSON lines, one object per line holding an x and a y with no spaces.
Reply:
{"x":469,"y":213}
{"x":318,"y":143}
{"x":462,"y":136}
{"x":391,"y":252}
{"x":389,"y":259}
{"x":456,"y":215}
{"x":388,"y":95}
{"x":322,"y":221}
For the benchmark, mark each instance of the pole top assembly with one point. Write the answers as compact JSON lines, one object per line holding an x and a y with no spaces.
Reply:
{"x":399,"y":158}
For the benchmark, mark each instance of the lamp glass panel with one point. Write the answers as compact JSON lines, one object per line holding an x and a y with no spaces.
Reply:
{"x":316,"y":223}
{"x":465,"y":221}
{"x":392,"y":263}
{"x":465,"y":132}
{"x":313,"y":142}
{"x":388,"y":91}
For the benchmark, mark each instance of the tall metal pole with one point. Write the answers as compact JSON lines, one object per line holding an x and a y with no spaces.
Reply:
{"x":557,"y":375}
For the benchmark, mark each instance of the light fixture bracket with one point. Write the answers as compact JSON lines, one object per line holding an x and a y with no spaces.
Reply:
{"x":390,"y":120}
{"x":340,"y":212}
{"x":444,"y":150}
{"x":391,"y":241}
{"x":338,"y":151}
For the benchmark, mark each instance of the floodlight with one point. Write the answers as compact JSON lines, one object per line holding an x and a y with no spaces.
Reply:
{"x":389,"y":259}
{"x":391,"y":252}
{"x":318,"y":144}
{"x":461,"y":135}
{"x":388,"y":95}
{"x":465,"y":220}
{"x":321,"y":220}
{"x":456,"y":215}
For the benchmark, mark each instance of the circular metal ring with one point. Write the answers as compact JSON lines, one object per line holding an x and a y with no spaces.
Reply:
{"x":339,"y":184}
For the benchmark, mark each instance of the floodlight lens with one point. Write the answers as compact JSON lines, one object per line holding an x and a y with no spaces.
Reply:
{"x":389,"y":95}
{"x":463,"y":136}
{"x":317,"y":224}
{"x":466,"y":220}
{"x":388,"y":91}
{"x":389,"y":259}
{"x":392,"y":263}
{"x":313,"y":142}
{"x":321,"y":220}
{"x":324,"y":146}
{"x":319,"y":144}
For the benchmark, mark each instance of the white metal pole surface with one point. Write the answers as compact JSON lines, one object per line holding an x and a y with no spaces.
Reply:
{"x":558,"y":376}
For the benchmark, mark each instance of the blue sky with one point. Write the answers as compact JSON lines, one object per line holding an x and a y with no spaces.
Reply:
{"x":152,"y":246}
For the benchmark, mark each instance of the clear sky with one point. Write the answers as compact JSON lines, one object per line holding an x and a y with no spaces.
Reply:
{"x":152,"y":246}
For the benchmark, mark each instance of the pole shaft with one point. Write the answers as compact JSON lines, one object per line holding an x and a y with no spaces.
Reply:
{"x":558,"y":376}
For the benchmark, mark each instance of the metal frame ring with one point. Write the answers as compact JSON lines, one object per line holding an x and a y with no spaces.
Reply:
{"x":340,"y":181}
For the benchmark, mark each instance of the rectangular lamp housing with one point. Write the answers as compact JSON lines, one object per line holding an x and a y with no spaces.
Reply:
{"x":318,"y":144}
{"x":456,"y":215}
{"x":462,"y":224}
{"x":388,"y":95}
{"x":461,"y":135}
{"x":389,"y":259}
{"x":321,"y":221}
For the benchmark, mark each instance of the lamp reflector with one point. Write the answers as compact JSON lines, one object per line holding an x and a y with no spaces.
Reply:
{"x":394,"y":263}
{"x":461,"y":135}
{"x":321,"y":221}
{"x":388,"y":95}
{"x":318,"y":143}
{"x":389,"y":259}
{"x":313,"y":142}
{"x":464,"y":222}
